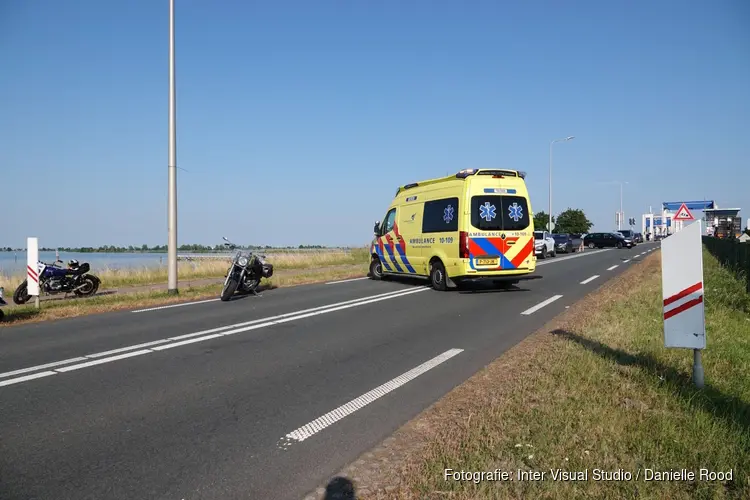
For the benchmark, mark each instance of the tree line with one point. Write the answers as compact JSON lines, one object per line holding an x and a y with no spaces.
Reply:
{"x":571,"y":221}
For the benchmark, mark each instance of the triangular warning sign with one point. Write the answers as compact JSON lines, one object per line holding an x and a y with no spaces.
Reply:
{"x":683,"y":214}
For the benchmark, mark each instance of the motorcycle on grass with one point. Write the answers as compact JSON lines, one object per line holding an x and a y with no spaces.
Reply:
{"x":245,"y":272}
{"x":55,"y":279}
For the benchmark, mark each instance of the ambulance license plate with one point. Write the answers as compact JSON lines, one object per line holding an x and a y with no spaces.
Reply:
{"x":486,"y":262}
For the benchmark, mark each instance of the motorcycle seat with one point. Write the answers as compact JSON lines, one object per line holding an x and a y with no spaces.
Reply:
{"x":82,"y":269}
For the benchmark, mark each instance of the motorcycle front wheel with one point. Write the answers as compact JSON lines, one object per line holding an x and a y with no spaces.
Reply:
{"x":229,"y":288}
{"x":21,"y":295}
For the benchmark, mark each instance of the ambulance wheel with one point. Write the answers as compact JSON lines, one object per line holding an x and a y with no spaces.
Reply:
{"x":376,"y":269}
{"x":437,"y":276}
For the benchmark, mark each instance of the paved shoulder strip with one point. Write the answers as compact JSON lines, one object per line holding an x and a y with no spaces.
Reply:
{"x":330,"y":418}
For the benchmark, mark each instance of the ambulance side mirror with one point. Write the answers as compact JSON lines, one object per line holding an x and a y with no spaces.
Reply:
{"x":376,"y":229}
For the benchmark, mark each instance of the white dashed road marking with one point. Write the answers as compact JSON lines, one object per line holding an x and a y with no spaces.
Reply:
{"x":589,"y":280}
{"x":547,"y":302}
{"x":333,"y":416}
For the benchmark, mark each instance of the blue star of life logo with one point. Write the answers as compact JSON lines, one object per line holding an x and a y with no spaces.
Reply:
{"x":487,"y":211}
{"x":515,"y":211}
{"x":448,"y":214}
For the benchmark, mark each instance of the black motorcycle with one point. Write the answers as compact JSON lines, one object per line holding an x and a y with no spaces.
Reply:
{"x":55,"y":279}
{"x":245,"y":272}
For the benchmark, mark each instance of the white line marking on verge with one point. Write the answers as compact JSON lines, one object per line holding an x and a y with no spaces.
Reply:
{"x":320,"y":423}
{"x":174,"y":305}
{"x":225,"y":330}
{"x":589,"y":280}
{"x":547,"y":302}
{"x":346,"y":281}
{"x":613,"y":267}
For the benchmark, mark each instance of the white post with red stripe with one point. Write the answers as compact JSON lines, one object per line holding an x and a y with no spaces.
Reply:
{"x":682,"y":293}
{"x":32,"y":268}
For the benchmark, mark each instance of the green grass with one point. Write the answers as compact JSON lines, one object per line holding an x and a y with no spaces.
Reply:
{"x":599,"y":390}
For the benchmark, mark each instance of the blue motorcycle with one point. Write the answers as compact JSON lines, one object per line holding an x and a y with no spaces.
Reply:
{"x":54,"y":279}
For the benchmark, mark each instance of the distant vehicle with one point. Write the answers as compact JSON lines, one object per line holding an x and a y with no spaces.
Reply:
{"x":544,"y":244}
{"x":638,"y":238}
{"x":629,"y":234}
{"x":474,"y":225}
{"x":607,"y":240}
{"x":566,"y":243}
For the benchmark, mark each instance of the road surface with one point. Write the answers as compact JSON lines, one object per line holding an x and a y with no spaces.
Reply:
{"x":260,"y":397}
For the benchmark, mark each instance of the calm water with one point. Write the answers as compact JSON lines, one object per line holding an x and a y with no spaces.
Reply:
{"x":14,"y":263}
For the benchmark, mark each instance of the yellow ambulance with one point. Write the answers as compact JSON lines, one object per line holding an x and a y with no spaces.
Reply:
{"x":475,"y":225}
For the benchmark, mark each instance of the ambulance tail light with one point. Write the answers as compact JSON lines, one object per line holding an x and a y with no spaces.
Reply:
{"x":463,"y":245}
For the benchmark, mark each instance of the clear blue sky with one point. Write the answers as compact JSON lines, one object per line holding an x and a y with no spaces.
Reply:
{"x":298,"y":120}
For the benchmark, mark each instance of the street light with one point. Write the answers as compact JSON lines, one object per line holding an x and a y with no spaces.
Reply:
{"x":549,"y":227}
{"x":172,"y":167}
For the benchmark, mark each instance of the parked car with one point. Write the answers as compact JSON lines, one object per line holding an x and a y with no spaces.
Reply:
{"x":638,"y":238}
{"x":607,"y":240}
{"x":629,"y":234}
{"x":566,"y":243}
{"x":544,"y":244}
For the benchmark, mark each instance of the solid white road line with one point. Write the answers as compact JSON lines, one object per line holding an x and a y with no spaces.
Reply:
{"x":346,"y":281}
{"x":547,"y":302}
{"x":41,"y":367}
{"x":589,"y":280}
{"x":27,"y":377}
{"x":170,"y":306}
{"x":169,"y":343}
{"x":320,"y":423}
{"x":613,"y":267}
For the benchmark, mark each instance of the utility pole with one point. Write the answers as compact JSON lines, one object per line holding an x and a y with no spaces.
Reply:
{"x":172,"y":166}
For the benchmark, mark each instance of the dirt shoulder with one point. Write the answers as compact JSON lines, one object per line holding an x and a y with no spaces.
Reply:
{"x":593,"y":390}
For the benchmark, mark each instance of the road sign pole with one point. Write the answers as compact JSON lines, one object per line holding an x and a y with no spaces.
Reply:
{"x":697,"y":369}
{"x":682,"y":293}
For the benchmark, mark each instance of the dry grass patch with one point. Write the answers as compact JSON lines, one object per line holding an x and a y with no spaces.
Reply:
{"x":203,"y":269}
{"x":595,"y":389}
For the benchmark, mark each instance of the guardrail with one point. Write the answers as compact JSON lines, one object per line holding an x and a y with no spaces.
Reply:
{"x":731,"y":254}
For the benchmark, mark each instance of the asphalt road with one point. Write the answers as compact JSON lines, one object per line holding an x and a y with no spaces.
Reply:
{"x":261,"y":397}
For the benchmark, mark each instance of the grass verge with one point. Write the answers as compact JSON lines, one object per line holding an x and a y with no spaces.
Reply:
{"x":594,"y":389}
{"x":202,"y":269}
{"x":58,"y":309}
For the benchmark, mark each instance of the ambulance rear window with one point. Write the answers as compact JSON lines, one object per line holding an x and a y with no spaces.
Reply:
{"x":499,"y":213}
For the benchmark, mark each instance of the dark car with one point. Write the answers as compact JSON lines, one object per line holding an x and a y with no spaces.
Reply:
{"x":629,"y":234}
{"x":607,"y":240}
{"x":638,"y":237}
{"x":566,"y":243}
